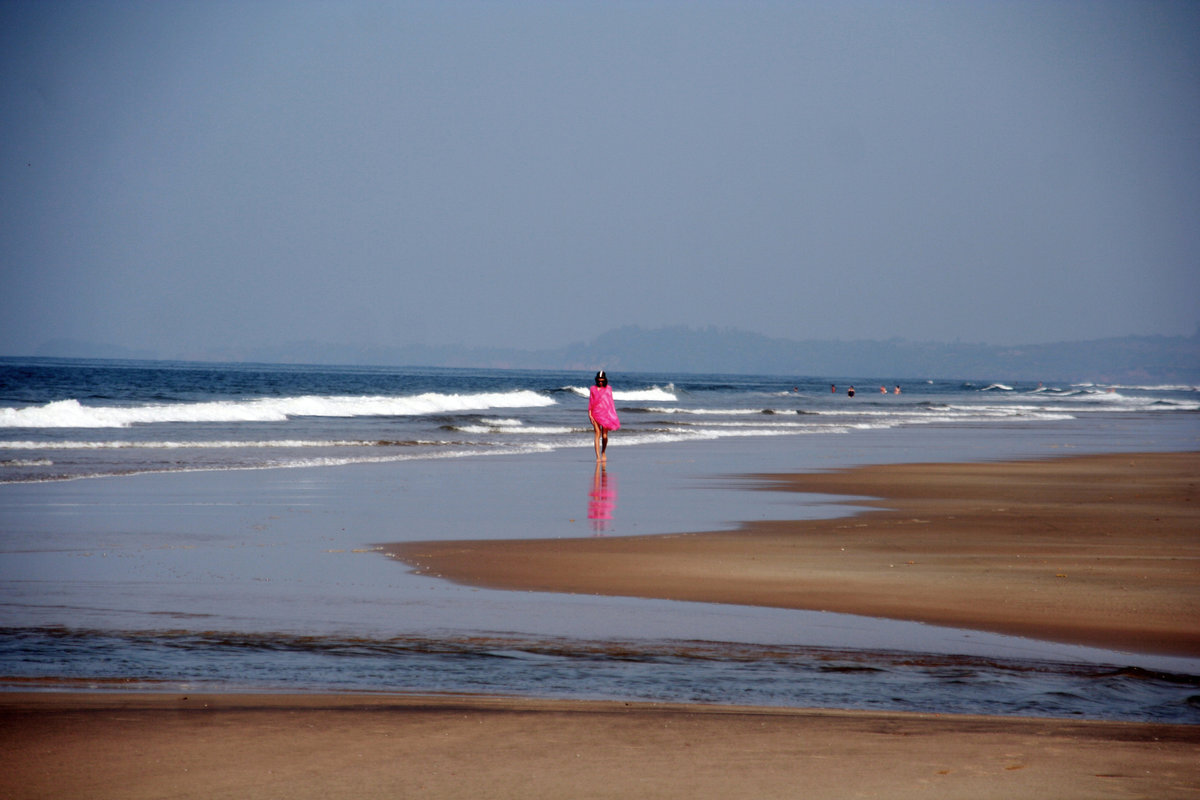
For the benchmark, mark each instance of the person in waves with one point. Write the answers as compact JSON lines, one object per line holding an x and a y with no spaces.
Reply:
{"x":603,"y":414}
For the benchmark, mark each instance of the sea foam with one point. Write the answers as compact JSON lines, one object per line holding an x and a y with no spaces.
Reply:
{"x":654,"y":394}
{"x":73,"y":414}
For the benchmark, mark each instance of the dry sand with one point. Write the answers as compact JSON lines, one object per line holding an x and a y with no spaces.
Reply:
{"x":321,"y":747}
{"x":1097,"y":550}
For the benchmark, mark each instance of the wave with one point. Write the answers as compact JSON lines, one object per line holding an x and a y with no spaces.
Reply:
{"x":654,"y":394}
{"x":783,"y":426}
{"x":73,"y":414}
{"x":1108,"y":400}
{"x":293,"y":444}
{"x":1158,"y":388}
{"x":548,"y":430}
{"x":1119,"y":400}
{"x":710,"y":412}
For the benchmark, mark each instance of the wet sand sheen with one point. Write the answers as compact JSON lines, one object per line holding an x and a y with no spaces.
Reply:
{"x":1097,"y":550}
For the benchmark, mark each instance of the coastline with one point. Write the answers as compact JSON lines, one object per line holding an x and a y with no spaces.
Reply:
{"x":130,"y":746}
{"x":1098,"y":550}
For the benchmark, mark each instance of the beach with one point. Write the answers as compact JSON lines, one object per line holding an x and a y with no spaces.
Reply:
{"x":1102,"y":550}
{"x":1095,"y":549}
{"x":363,"y":746}
{"x":299,"y":582}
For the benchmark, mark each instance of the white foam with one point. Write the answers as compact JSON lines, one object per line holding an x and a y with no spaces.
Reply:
{"x":654,"y":394}
{"x":531,"y":430}
{"x":1160,"y":388}
{"x":1096,"y":400}
{"x":721,"y":433}
{"x":200,"y":445}
{"x":748,"y":425}
{"x":711,"y":412}
{"x":73,"y":414}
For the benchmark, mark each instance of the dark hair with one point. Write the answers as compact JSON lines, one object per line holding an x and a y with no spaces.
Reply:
{"x":601,"y":378}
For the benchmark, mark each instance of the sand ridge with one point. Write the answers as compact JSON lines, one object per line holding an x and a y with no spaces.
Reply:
{"x":1099,"y":550}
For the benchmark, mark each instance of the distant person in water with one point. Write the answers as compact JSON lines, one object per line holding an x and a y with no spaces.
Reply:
{"x":897,"y":390}
{"x":603,"y":413}
{"x":850,"y":392}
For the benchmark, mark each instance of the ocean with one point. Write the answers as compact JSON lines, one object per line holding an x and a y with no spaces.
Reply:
{"x":216,"y":527}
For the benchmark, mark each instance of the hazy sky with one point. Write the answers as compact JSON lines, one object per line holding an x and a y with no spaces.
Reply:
{"x":176,"y":175}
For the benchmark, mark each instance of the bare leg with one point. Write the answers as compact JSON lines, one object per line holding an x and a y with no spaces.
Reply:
{"x":599,"y":433}
{"x":603,"y":443}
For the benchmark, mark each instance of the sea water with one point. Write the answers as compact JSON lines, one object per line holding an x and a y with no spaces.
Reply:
{"x":195,"y":526}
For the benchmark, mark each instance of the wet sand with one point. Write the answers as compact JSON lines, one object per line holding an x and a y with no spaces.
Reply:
{"x":320,"y":746}
{"x":1096,"y":550}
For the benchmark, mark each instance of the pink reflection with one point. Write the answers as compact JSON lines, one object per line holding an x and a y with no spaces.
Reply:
{"x":603,"y":500}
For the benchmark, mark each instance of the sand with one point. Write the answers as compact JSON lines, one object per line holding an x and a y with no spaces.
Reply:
{"x":1096,"y":550}
{"x":103,"y":746}
{"x":1099,"y":550}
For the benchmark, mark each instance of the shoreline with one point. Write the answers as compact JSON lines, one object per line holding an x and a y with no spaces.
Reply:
{"x":130,"y":746}
{"x":1097,"y":550}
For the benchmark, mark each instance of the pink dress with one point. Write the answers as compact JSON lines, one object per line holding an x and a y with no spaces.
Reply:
{"x":602,"y":409}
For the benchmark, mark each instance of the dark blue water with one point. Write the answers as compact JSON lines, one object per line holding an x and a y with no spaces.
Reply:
{"x":666,"y":671}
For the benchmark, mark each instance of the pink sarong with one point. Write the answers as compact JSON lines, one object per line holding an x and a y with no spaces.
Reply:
{"x":600,"y":404}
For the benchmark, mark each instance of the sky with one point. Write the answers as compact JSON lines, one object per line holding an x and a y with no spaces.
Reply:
{"x":195,"y":174}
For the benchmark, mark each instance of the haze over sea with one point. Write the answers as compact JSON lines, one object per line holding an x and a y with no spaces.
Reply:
{"x":175,"y":526}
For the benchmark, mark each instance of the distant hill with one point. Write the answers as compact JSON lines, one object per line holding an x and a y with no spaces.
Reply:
{"x":1130,"y":359}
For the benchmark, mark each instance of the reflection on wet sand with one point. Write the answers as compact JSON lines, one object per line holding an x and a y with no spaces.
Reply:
{"x":602,"y":501}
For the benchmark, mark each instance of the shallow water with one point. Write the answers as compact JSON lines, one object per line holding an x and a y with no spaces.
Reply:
{"x":259,"y":581}
{"x":637,"y":670}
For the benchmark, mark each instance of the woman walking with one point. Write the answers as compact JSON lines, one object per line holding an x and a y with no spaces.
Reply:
{"x":603,"y":413}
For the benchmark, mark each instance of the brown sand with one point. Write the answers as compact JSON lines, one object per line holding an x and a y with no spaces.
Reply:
{"x":1099,"y":550}
{"x":100,"y":746}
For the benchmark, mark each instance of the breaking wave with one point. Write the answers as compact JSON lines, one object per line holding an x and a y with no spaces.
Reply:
{"x":654,"y":394}
{"x":73,"y":414}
